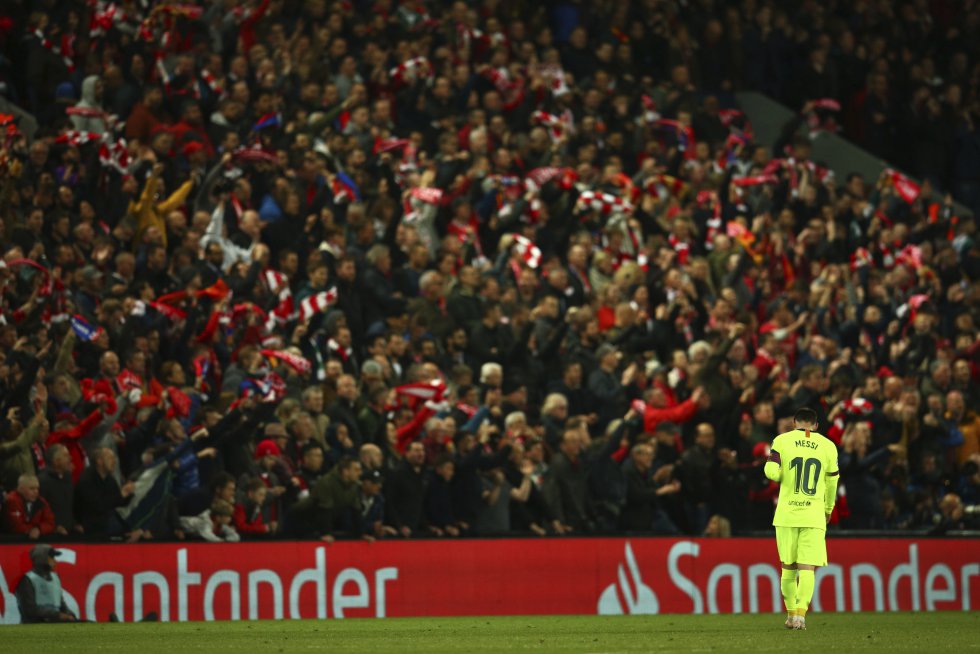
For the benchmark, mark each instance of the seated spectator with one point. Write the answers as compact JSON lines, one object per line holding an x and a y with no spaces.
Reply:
{"x":213,"y":525}
{"x":25,"y":512}
{"x":39,"y":595}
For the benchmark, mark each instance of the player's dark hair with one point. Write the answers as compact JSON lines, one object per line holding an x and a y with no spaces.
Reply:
{"x":805,"y":415}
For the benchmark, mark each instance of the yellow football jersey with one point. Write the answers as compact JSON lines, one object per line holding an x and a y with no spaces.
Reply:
{"x":805,"y":465}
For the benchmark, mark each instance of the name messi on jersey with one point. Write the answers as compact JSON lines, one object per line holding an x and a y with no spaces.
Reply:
{"x":806,"y":443}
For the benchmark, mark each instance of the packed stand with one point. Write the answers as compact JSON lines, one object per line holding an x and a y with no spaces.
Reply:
{"x":378,"y":270}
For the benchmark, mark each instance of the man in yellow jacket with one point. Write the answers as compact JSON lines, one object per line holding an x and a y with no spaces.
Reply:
{"x":150,"y":212}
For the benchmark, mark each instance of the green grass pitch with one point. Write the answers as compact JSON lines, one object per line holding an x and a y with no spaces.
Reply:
{"x":883,"y":632}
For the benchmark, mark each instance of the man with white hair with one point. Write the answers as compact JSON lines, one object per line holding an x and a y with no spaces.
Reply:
{"x":554,"y":414}
{"x":25,"y":512}
{"x":491,"y":374}
{"x":516,"y":427}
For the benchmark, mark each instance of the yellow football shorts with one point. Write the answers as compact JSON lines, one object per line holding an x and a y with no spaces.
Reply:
{"x":806,"y":545}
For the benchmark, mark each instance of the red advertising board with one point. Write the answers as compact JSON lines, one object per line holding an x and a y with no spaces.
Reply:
{"x":204,"y":581}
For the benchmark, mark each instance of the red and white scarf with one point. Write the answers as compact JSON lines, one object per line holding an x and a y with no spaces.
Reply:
{"x":605,"y":203}
{"x":527,"y":250}
{"x":64,"y":49}
{"x":316,"y":304}
{"x":411,"y":70}
{"x":296,"y":362}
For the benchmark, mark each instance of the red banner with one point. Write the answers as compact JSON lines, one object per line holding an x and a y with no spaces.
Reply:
{"x":203,"y":581}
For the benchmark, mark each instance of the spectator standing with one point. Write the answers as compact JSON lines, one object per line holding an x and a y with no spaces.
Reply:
{"x":698,"y":468}
{"x":98,"y":494}
{"x":644,"y":488}
{"x":58,"y":489}
{"x":405,"y":492}
{"x":567,"y":487}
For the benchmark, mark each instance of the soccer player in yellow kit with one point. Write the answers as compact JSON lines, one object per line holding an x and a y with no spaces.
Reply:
{"x":805,"y":465}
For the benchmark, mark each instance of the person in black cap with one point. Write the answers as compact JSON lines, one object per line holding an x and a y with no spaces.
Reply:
{"x":39,"y":595}
{"x":372,"y":506}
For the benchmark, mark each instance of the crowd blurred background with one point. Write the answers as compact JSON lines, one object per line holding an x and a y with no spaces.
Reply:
{"x":317,"y":269}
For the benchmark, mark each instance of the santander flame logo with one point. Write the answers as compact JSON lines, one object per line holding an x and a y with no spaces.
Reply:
{"x":628,"y":596}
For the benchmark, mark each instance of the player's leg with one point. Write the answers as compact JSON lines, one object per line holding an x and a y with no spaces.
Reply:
{"x":804,"y":593}
{"x":812,"y":554}
{"x":786,"y":545}
{"x":787,"y":585}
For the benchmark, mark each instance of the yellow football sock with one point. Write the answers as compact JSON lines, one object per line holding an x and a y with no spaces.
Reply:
{"x":805,"y":594}
{"x":787,"y":584}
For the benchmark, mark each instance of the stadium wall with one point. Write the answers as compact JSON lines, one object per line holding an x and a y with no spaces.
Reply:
{"x":283,"y":580}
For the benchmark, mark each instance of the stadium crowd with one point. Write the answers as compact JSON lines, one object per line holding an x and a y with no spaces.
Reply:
{"x":376,"y":269}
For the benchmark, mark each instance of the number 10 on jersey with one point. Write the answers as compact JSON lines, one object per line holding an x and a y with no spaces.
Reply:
{"x":807,"y":473}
